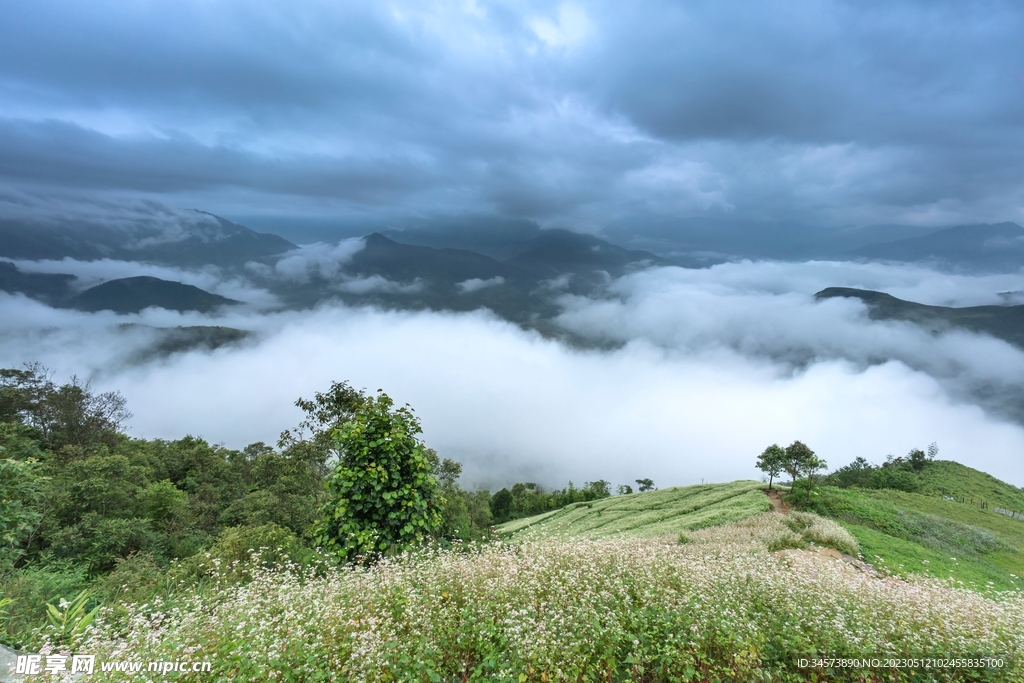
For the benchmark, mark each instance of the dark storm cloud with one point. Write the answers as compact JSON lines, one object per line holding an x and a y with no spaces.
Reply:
{"x":571,"y":114}
{"x":64,"y":153}
{"x":823,"y":72}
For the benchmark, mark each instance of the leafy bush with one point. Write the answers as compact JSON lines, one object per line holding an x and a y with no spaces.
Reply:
{"x":20,"y":484}
{"x":137,"y":578}
{"x":895,"y":478}
{"x":99,"y":542}
{"x":383,"y":493}
{"x":70,"y":618}
{"x":163,"y":502}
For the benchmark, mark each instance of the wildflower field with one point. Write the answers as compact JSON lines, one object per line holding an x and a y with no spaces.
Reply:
{"x":718,"y":604}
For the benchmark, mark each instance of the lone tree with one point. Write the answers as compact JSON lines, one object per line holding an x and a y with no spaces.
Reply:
{"x":644,"y":485}
{"x":771,"y":461}
{"x":383,"y":495}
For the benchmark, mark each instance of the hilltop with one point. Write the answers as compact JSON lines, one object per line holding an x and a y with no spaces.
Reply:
{"x":949,"y":478}
{"x":133,"y":294}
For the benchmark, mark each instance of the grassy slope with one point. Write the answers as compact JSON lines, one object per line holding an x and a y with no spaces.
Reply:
{"x":922,"y":533}
{"x":655,"y":513}
{"x":945,"y":477}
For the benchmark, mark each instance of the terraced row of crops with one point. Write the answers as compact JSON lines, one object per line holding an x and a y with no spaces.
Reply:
{"x":654,"y":513}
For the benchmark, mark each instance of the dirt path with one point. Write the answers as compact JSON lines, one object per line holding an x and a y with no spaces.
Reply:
{"x":777,"y":503}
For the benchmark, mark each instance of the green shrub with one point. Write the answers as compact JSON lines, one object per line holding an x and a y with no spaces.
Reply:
{"x":136,"y":578}
{"x":70,"y":618}
{"x":895,"y":478}
{"x":815,"y":529}
{"x":163,"y":501}
{"x":100,"y":542}
{"x":29,"y":589}
{"x":239,"y":550}
{"x":20,"y":484}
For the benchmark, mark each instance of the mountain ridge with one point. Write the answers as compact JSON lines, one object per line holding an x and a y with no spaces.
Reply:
{"x":1002,"y":322}
{"x":194,"y":238}
{"x":996,"y":246}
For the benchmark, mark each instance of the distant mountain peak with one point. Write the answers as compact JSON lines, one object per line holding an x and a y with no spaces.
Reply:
{"x":133,"y":294}
{"x":557,"y":251}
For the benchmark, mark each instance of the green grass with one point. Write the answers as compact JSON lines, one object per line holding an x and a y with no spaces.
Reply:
{"x":911,"y":533}
{"x":944,"y":477}
{"x":666,"y":512}
{"x":902,"y":558}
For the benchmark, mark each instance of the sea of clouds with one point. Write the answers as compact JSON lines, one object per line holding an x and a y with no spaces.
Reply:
{"x":691,"y":375}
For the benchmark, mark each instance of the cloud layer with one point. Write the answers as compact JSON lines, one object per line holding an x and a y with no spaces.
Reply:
{"x":571,"y":114}
{"x":710,"y":367}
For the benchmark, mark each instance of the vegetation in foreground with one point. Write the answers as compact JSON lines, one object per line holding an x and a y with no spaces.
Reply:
{"x":720,"y":607}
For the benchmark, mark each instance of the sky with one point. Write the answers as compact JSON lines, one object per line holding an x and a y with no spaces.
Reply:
{"x":575,"y":114}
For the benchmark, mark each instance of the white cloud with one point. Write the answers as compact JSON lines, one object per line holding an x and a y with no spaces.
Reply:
{"x":379,"y":283}
{"x":319,"y":259}
{"x":476,"y":284}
